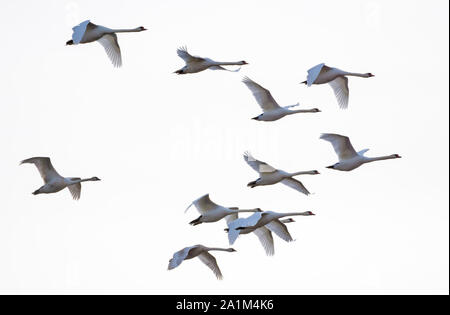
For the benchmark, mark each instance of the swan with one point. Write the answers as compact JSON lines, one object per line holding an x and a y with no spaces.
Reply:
{"x":268,"y":219}
{"x":88,"y":32}
{"x":202,"y":252}
{"x":349,"y":159}
{"x":271,"y":110}
{"x":264,"y":234}
{"x":196,"y":64}
{"x":337,"y":78}
{"x":270,"y":175}
{"x":212,"y":212}
{"x":53,"y":182}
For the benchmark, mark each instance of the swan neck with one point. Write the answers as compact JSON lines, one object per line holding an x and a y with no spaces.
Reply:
{"x":379,"y":158}
{"x":127,"y":30}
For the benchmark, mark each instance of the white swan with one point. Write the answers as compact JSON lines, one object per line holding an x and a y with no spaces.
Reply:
{"x":88,"y":32}
{"x":264,"y":234}
{"x":212,"y":212}
{"x":268,"y":219}
{"x":349,"y":159}
{"x":271,"y":110}
{"x":196,"y":64}
{"x":270,"y":175}
{"x":53,"y":182}
{"x":201,"y":252}
{"x":337,"y":79}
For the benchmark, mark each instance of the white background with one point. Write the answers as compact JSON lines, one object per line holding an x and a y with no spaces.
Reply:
{"x":158,"y":141}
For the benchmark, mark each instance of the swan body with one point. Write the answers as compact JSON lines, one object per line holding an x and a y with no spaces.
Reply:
{"x":196,"y":64}
{"x":268,"y":219}
{"x":88,"y":32}
{"x":271,"y":110}
{"x":270,"y":175}
{"x":202,"y":252}
{"x":337,"y":79}
{"x":349,"y":159}
{"x":212,"y":212}
{"x":53,"y":182}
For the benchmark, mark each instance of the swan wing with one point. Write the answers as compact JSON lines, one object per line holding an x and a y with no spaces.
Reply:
{"x":80,"y":30}
{"x":112,"y":48}
{"x":341,"y":145}
{"x":45,"y":168}
{"x":280,"y":229}
{"x":295,"y":184}
{"x":314,"y":72}
{"x":179,"y":256}
{"x":75,"y":189}
{"x":232,"y":217}
{"x":266,"y":239}
{"x":259,"y":166}
{"x":289,"y":106}
{"x":262,"y":95}
{"x":204,"y":204}
{"x":210,"y":261}
{"x":340,"y":89}
{"x":362,"y":152}
{"x":233,"y":226}
{"x":187,"y":57}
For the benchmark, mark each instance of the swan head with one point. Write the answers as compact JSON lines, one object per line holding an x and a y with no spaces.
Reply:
{"x":396,"y":156}
{"x":141,"y":28}
{"x":290,"y":220}
{"x":95,"y":179}
{"x":315,"y":110}
{"x":231,"y":250}
{"x":315,"y":172}
{"x":69,"y":42}
{"x":243,"y":62}
{"x":369,"y":75}
{"x":308,"y":213}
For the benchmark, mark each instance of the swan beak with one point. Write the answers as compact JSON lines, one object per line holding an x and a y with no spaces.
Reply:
{"x":144,"y":29}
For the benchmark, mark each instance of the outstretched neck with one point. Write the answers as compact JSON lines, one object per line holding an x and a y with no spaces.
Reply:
{"x":220,"y":249}
{"x":295,"y":111}
{"x":245,"y":210}
{"x":230,"y":63}
{"x":381,"y":158}
{"x":304,"y":173}
{"x":128,"y":30}
{"x":356,"y":74}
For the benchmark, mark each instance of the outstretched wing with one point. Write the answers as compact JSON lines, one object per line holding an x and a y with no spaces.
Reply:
{"x":80,"y":30}
{"x":75,"y":189}
{"x":340,"y":89}
{"x":203,"y":204}
{"x":259,"y":166}
{"x":266,"y":239}
{"x":314,"y":72}
{"x":210,"y":261}
{"x":233,"y":231}
{"x":262,"y":95}
{"x":280,"y":229}
{"x":44,"y":166}
{"x":111,"y":46}
{"x":295,"y":184}
{"x":341,"y":145}
{"x":187,"y":57}
{"x":178,"y":257}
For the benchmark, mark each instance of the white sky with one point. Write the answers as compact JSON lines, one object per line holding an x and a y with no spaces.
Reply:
{"x":159,"y":141}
